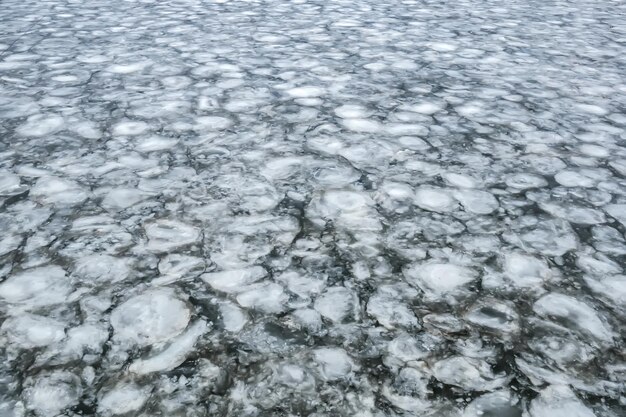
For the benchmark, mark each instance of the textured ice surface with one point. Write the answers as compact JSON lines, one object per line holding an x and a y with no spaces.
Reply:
{"x":165,"y":235}
{"x":173,"y":355}
{"x":467,"y":373}
{"x":499,"y":403}
{"x":29,"y":331}
{"x":151,"y":317}
{"x":100,"y":269}
{"x":235,"y":280}
{"x":123,"y":398}
{"x":434,"y":199}
{"x":558,"y":401}
{"x":334,"y":363}
{"x":312,"y":208}
{"x":36,"y":287}
{"x":337,"y":304}
{"x":437,"y":279}
{"x":573,"y":313}
{"x":48,"y":394}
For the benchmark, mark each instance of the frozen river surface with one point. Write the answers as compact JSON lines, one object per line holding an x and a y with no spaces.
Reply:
{"x":313,"y":208}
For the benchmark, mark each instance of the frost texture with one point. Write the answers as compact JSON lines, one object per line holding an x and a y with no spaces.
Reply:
{"x":312,"y":208}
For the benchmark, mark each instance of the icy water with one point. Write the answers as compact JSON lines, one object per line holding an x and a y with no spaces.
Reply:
{"x":312,"y":208}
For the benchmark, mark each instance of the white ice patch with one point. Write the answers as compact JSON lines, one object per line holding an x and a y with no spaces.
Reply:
{"x":155,"y":143}
{"x":337,"y":304}
{"x":59,"y":191}
{"x":308,"y":319}
{"x":173,"y":355}
{"x":234,"y":281}
{"x":574,"y":214}
{"x":574,"y":314}
{"x":176,"y":266}
{"x":437,"y":279}
{"x":611,"y":287}
{"x":9,"y":243}
{"x":165,"y":235}
{"x":267,"y":297}
{"x":391,"y":312}
{"x":591,"y":109}
{"x":599,"y":265}
{"x":425,"y":107}
{"x":48,"y":394}
{"x":434,"y":199}
{"x":619,"y":165}
{"x":128,"y":68}
{"x":442,"y":46}
{"x":525,"y":271}
{"x":495,"y":404}
{"x":123,"y":398}
{"x":152,"y":317}
{"x":413,"y":143}
{"x":395,"y":197}
{"x":496,"y":316}
{"x":95,"y":234}
{"x":409,"y":350}
{"x":36,"y":287}
{"x":348,"y":209}
{"x":405,"y":129}
{"x":86,"y":338}
{"x":305,"y":92}
{"x":460,"y":180}
{"x":467,"y":373}
{"x":212,"y":123}
{"x":336,"y":176}
{"x":594,"y":150}
{"x":334,"y":363}
{"x":304,"y":286}
{"x":569,"y":178}
{"x":282,"y":168}
{"x":352,"y":111}
{"x":130,"y":128}
{"x":98,"y":269}
{"x":525,"y":181}
{"x":92,"y":58}
{"x":618,"y":211}
{"x":122,"y":198}
{"x":472,"y":109}
{"x":86,"y":129}
{"x":476,"y":201}
{"x":41,"y":125}
{"x":9,"y":183}
{"x":362,"y":125}
{"x":408,"y":391}
{"x":547,"y":237}
{"x":233,"y":318}
{"x":558,"y":401}
{"x":29,"y":330}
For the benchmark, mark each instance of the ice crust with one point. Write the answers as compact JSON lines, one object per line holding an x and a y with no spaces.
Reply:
{"x":312,"y":208}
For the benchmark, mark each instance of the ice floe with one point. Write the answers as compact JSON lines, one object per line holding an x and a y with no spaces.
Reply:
{"x":152,"y":317}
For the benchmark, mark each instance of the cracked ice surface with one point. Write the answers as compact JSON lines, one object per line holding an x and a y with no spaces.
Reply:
{"x":312,"y":208}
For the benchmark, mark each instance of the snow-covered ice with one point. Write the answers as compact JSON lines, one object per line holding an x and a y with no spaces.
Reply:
{"x":467,"y":373}
{"x":234,"y":280}
{"x":152,"y":317}
{"x":557,"y":401}
{"x":123,"y":398}
{"x":573,"y":313}
{"x":437,"y":279}
{"x":48,"y":394}
{"x":36,"y":287}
